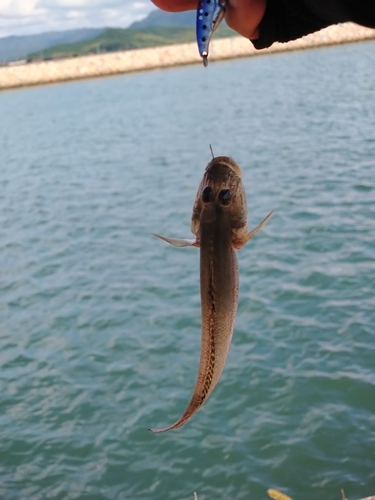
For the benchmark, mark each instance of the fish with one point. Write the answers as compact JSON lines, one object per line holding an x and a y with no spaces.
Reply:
{"x":210,"y":13}
{"x":219,"y":224}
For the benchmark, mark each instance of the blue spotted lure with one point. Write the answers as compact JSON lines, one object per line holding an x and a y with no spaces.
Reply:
{"x":210,"y":13}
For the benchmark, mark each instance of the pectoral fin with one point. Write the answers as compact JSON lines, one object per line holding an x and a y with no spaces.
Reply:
{"x":240,"y":243}
{"x":178,"y":242}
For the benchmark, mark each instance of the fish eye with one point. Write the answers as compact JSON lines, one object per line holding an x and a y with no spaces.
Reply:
{"x":225,"y":196}
{"x":207,"y":194}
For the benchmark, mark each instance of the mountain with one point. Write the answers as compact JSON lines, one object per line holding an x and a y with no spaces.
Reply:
{"x":17,"y":47}
{"x":163,"y":19}
{"x":158,"y":28}
{"x":113,"y":39}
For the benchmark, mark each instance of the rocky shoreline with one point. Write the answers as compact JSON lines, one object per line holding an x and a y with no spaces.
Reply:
{"x":39,"y":73}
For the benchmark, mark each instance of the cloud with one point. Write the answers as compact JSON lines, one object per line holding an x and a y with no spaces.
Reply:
{"x":18,"y":17}
{"x":18,"y":8}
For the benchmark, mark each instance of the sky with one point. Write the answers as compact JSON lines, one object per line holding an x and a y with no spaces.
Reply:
{"x":26,"y":17}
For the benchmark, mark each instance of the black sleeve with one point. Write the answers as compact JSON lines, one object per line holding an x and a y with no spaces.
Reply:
{"x":286,"y":20}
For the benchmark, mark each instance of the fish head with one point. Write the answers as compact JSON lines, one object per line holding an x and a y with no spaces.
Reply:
{"x":222,"y":188}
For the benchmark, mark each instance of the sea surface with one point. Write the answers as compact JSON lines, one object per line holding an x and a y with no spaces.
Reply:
{"x":100,"y":321}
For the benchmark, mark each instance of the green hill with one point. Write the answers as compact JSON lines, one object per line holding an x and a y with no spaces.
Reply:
{"x":161,"y":18}
{"x":17,"y":47}
{"x":113,"y":39}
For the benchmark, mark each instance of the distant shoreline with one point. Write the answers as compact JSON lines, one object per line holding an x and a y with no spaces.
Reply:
{"x":40,"y":73}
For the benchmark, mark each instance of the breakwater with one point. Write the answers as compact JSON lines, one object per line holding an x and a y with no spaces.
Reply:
{"x":162,"y":57}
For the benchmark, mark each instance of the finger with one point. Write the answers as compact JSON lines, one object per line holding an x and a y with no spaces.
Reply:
{"x":244,"y":16}
{"x":175,"y":5}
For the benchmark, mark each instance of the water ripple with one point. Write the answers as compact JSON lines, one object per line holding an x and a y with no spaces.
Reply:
{"x":101,"y":322}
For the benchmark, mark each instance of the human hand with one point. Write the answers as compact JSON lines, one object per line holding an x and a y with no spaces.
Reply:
{"x":243,"y":16}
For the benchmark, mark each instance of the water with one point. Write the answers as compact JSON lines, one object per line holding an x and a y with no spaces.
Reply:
{"x":100,"y":323}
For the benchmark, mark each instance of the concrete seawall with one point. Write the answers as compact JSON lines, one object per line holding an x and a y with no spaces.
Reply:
{"x":163,"y":57}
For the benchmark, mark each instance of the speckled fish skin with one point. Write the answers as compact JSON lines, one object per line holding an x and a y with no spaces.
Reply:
{"x":210,"y":13}
{"x":219,"y":224}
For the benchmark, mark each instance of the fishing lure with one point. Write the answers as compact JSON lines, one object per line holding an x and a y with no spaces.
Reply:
{"x":210,"y":13}
{"x":219,"y":224}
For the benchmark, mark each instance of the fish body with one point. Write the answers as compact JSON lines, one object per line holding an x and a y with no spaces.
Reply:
{"x":210,"y":13}
{"x":219,"y":224}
